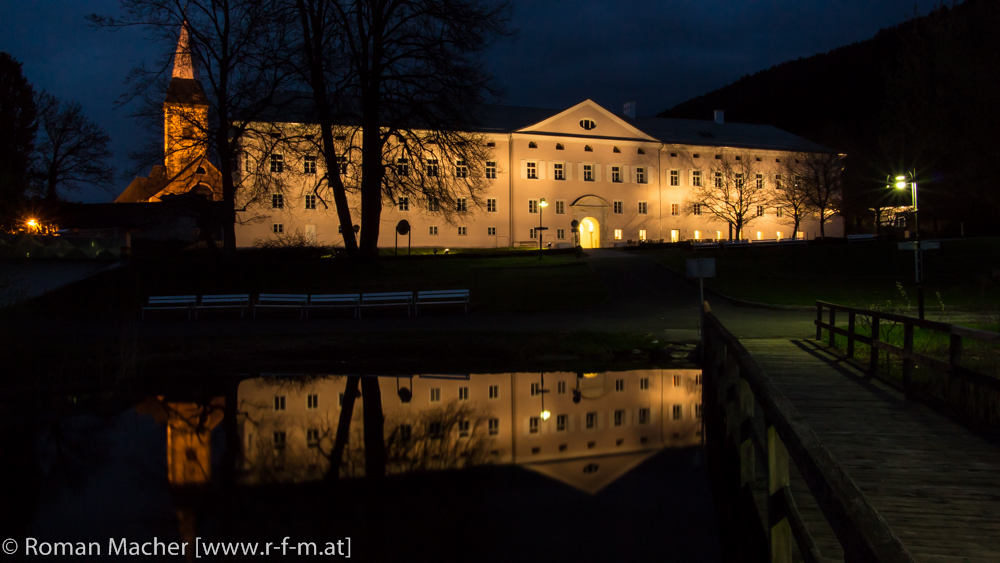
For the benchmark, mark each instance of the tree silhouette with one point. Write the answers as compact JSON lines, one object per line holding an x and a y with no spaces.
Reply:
{"x":18,"y":124}
{"x":731,"y":193}
{"x":70,"y":150}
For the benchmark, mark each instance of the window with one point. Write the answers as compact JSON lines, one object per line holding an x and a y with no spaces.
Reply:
{"x":561,"y":387}
{"x":675,"y":177}
{"x":461,"y":169}
{"x":697,"y":379}
{"x":312,"y":438}
{"x":309,"y":164}
{"x":678,"y":412}
{"x":433,"y":205}
{"x":562,"y":420}
{"x":494,"y":426}
{"x":402,"y":167}
{"x":560,"y":207}
{"x":312,"y":401}
{"x":531,"y":233}
{"x":760,"y":210}
{"x":777,"y":181}
{"x":677,"y":381}
{"x":618,"y":234}
{"x":277,"y":201}
{"x":405,"y":433}
{"x":640,"y":175}
{"x":463,"y":393}
{"x":619,"y":207}
{"x":277,"y":163}
{"x":643,"y":208}
{"x":588,"y":172}
{"x":434,"y":429}
{"x":279,"y":440}
{"x":616,"y":150}
{"x":340,"y":400}
{"x":491,"y":169}
{"x":432,"y":167}
{"x":718,"y":157}
{"x":675,"y":209}
{"x":779,"y":211}
{"x":463,"y":428}
{"x":491,"y":231}
{"x":532,"y":145}
{"x":536,"y":389}
{"x":586,"y":148}
{"x":533,"y":425}
{"x":491,"y":205}
{"x":739,"y":181}
{"x":697,"y":209}
{"x":616,"y":174}
{"x":433,"y":230}
{"x":559,"y":146}
{"x":619,"y":385}
{"x":560,"y":234}
{"x":460,"y":205}
{"x":760,"y":181}
{"x":403,"y":204}
{"x":558,"y":172}
{"x":532,"y":206}
{"x":695,"y":155}
{"x":310,"y":201}
{"x":697,"y":236}
{"x":279,"y":403}
{"x":278,"y":228}
{"x":463,"y":231}
{"x":342,"y":163}
{"x":494,"y":391}
{"x":696,"y":177}
{"x":619,"y":417}
{"x":591,"y":420}
{"x":587,"y":124}
{"x":435,"y":394}
{"x":642,"y":234}
{"x":644,"y":416}
{"x":644,"y":384}
{"x":532,"y":171}
{"x":641,"y":151}
{"x":718,"y":179}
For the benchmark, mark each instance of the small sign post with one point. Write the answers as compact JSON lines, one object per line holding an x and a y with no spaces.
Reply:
{"x":701,"y":268}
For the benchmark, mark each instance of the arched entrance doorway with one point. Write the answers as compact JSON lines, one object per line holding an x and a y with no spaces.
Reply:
{"x":590,"y":233}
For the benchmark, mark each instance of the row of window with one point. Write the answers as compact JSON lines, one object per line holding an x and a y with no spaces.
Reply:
{"x":586,"y":148}
{"x":559,"y":172}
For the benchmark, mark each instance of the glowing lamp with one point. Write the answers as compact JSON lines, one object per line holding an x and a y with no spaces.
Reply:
{"x":900,"y":185}
{"x":32,"y":223}
{"x":901,"y":177}
{"x":546,"y":415}
{"x":542,"y":203}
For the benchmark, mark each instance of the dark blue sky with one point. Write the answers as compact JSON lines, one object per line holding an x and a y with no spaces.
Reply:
{"x":658,"y":53}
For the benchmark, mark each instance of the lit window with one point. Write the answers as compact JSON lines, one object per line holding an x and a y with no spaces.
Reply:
{"x":642,"y":234}
{"x":562,"y":421}
{"x":278,"y":228}
{"x":591,"y":420}
{"x":532,"y":206}
{"x":491,"y":205}
{"x":312,"y":401}
{"x":494,"y":391}
{"x":640,"y":174}
{"x":560,"y":234}
{"x":402,"y":167}
{"x":433,"y":230}
{"x":460,"y":205}
{"x":310,"y":201}
{"x":435,"y":394}
{"x":760,"y":235}
{"x":560,"y":207}
{"x":463,"y":231}
{"x":675,"y":209}
{"x":616,"y":173}
{"x":697,"y":235}
{"x":403,"y":204}
{"x":619,"y":385}
{"x":491,"y":231}
{"x":309,"y":164}
{"x":279,"y":403}
{"x":277,"y":201}
{"x":619,"y":207}
{"x":494,"y":426}
{"x":558,"y":172}
{"x":432,"y":167}
{"x":675,"y":177}
{"x":643,"y":208}
{"x":678,"y":412}
{"x":618,"y":234}
{"x":463,"y":393}
{"x":532,"y":171}
{"x":588,"y":172}
{"x":643,"y":416}
{"x":533,"y":425}
{"x":619,"y":417}
{"x":461,"y":169}
{"x":491,"y":169}
{"x":696,"y":177}
{"x":277,"y":163}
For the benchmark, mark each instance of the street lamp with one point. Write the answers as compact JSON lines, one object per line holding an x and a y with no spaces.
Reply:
{"x":542,"y":390}
{"x":901,"y":181}
{"x":541,"y":206}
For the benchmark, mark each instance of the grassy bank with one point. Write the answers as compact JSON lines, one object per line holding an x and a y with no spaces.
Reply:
{"x":962,"y":274}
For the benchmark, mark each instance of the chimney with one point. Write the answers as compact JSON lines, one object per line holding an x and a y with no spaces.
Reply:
{"x":720,"y":116}
{"x":629,"y":110}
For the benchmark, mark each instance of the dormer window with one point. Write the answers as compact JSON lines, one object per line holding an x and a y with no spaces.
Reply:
{"x":616,"y":150}
{"x":587,"y":124}
{"x":587,"y":148}
{"x":641,"y":151}
{"x":532,"y":145}
{"x":559,"y":146}
{"x":200,"y":170}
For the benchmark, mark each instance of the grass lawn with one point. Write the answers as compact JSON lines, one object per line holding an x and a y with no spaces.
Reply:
{"x":966,"y":274}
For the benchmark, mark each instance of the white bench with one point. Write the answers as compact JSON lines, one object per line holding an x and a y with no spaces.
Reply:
{"x":224,"y":301}
{"x":861,"y":238}
{"x":335,"y":300}
{"x":282,"y":301}
{"x":387,"y":299}
{"x":442,"y":297}
{"x":170,"y":302}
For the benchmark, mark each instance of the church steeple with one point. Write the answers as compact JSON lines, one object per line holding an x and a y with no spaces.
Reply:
{"x":183,"y":68}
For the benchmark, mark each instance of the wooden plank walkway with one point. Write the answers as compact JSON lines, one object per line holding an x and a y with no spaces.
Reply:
{"x":935,"y":482}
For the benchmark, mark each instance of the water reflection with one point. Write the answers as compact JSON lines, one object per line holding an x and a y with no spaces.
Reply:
{"x":585,"y":430}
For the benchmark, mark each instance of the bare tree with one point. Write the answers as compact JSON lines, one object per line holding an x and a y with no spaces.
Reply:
{"x":236,"y":49}
{"x":789,"y":196}
{"x":731,"y":193}
{"x":820,"y":174}
{"x":70,"y":150}
{"x":406,"y":74}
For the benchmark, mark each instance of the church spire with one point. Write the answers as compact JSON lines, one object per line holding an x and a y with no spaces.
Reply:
{"x":183,"y":68}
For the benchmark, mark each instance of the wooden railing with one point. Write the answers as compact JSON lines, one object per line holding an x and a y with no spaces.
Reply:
{"x":739,"y":401}
{"x":963,"y":389}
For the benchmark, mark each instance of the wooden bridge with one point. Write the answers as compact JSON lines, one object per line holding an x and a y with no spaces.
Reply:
{"x":876,"y":475}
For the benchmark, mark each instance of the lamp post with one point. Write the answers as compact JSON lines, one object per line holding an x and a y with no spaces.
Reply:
{"x":541,"y":230}
{"x":542,"y":391}
{"x":901,"y":183}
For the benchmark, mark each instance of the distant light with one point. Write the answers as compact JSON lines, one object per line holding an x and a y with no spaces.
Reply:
{"x":546,"y":415}
{"x":900,"y":177}
{"x":32,"y":223}
{"x":590,"y":375}
{"x":542,"y":203}
{"x":900,"y":185}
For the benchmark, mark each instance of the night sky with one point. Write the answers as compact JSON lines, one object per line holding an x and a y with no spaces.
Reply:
{"x":657,"y":53}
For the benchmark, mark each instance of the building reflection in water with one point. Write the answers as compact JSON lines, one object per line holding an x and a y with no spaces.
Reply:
{"x":585,"y":430}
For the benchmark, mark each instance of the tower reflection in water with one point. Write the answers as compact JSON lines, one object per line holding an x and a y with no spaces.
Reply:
{"x":601,"y":425}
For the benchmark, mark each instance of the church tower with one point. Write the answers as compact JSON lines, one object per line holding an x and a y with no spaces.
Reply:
{"x":186,"y":168}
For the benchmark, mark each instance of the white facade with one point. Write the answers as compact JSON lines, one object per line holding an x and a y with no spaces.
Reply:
{"x":620,"y":183}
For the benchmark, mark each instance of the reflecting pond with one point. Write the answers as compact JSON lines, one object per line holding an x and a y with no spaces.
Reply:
{"x":486,"y":466}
